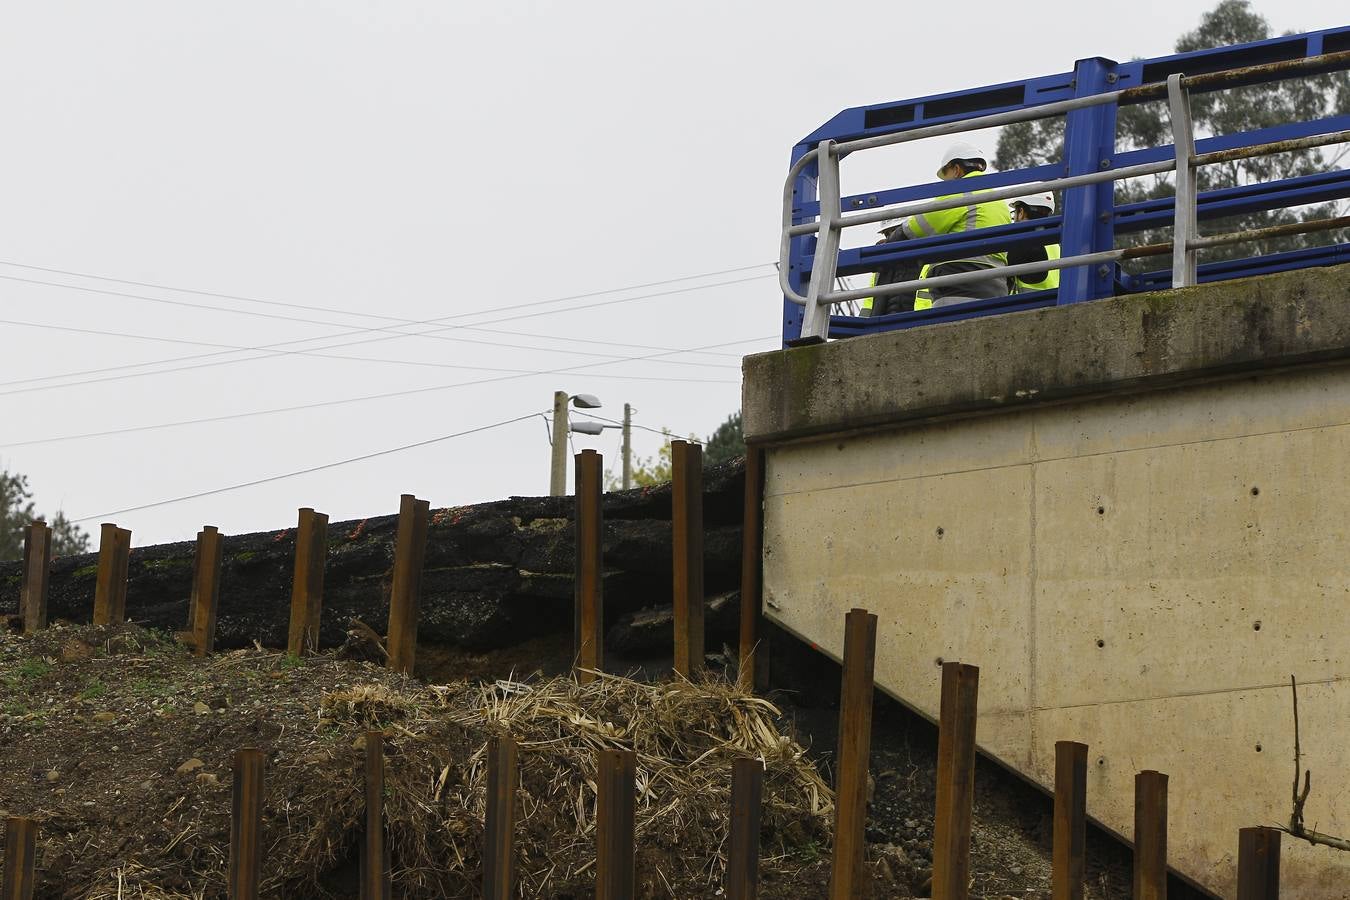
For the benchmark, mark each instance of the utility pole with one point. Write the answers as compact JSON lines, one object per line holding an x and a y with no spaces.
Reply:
{"x":627,"y":446}
{"x":557,"y":486}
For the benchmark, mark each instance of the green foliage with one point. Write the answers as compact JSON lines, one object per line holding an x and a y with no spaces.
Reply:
{"x":1217,"y":113}
{"x":653,"y":470}
{"x":149,"y":687}
{"x":94,"y":689}
{"x":34,"y":668}
{"x":17,"y":512}
{"x":726,"y":443}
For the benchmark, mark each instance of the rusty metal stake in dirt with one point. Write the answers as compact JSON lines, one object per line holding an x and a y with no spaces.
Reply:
{"x":1070,"y":842}
{"x":686,"y":522}
{"x":206,"y":589}
{"x":855,"y":741}
{"x":110,"y":588}
{"x":499,"y":825}
{"x":588,"y":605}
{"x":375,"y":882}
{"x":747,"y":791}
{"x":754,"y":662}
{"x":615,"y":809}
{"x":410,"y":550}
{"x":1150,"y":836}
{"x":37,"y":561}
{"x":1258,"y":864}
{"x":311,"y":551}
{"x":20,"y":853}
{"x":955,"y":781}
{"x":246,"y":825}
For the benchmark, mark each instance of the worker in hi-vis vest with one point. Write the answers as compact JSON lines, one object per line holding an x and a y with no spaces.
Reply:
{"x":907,"y":270}
{"x":1025,"y":209}
{"x":959,"y":162}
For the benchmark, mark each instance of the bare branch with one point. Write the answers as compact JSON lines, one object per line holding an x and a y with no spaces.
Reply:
{"x":1296,"y":827}
{"x":1317,"y":837}
{"x":1296,"y":819}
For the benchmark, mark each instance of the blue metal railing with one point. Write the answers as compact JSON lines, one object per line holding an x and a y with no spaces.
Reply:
{"x":1088,"y":220}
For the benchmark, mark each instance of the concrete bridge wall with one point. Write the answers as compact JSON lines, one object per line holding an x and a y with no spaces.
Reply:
{"x":1133,"y":515}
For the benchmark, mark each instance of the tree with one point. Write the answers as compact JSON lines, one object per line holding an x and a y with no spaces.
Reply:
{"x":1219,"y":112}
{"x":17,"y":512}
{"x":647,"y":470}
{"x":726,"y":443}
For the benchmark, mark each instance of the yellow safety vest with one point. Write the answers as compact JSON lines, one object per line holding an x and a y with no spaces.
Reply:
{"x":954,"y":221}
{"x":1048,"y":280}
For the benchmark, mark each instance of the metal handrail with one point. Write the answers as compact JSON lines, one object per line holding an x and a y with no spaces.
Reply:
{"x":831,"y":221}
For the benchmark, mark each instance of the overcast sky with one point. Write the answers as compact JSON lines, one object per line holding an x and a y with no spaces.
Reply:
{"x":396,"y":161}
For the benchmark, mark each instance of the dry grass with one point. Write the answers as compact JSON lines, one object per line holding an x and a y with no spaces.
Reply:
{"x":167,"y":839}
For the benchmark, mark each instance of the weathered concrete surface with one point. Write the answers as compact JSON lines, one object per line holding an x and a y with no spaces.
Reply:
{"x":1140,"y":565}
{"x":1147,"y":341}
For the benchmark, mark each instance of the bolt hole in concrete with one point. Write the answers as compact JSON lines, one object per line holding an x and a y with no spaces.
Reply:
{"x":940,"y":531}
{"x":940,"y":660}
{"x":1258,"y":748}
{"x":1256,"y":626}
{"x":1100,"y":643}
{"x":1101,"y":760}
{"x":1101,"y":510}
{"x":1256,"y":491}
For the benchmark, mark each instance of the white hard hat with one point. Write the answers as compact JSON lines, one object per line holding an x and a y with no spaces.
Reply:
{"x":960,"y":150}
{"x":1043,"y":198}
{"x":886,"y":225}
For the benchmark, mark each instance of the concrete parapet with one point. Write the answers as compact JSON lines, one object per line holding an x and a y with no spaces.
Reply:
{"x":1140,"y":342}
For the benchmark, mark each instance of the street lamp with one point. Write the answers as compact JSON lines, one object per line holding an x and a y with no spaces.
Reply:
{"x":597,"y":428}
{"x":558,"y":467}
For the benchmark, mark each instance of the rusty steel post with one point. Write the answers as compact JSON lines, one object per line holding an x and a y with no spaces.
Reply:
{"x":615,"y":810}
{"x":410,"y":550}
{"x":37,"y":562}
{"x":686,"y":523}
{"x":375,"y":881}
{"x":1068,"y":858}
{"x":311,"y":551}
{"x":246,"y":844}
{"x":1258,"y":864}
{"x":855,"y":742}
{"x":754,"y":665}
{"x":20,"y":855}
{"x":588,"y":604}
{"x":955,"y":781}
{"x":206,"y":589}
{"x":110,"y":588}
{"x":499,"y":825}
{"x":747,"y":791}
{"x":1150,"y":836}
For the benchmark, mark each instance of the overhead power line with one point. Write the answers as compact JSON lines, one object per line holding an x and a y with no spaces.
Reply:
{"x":331,"y":465}
{"x":368,"y":397}
{"x":668,"y":435}
{"x":331,"y":309}
{"x":270,"y":350}
{"x":400,"y":322}
{"x":315,"y":354}
{"x":571,"y":339}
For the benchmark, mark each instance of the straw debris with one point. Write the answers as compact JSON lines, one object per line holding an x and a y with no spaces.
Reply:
{"x":125,"y":820}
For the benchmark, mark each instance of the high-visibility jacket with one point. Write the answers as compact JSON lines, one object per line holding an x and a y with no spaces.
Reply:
{"x":954,"y":221}
{"x":962,"y":218}
{"x":923,"y":297}
{"x":1048,"y":280}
